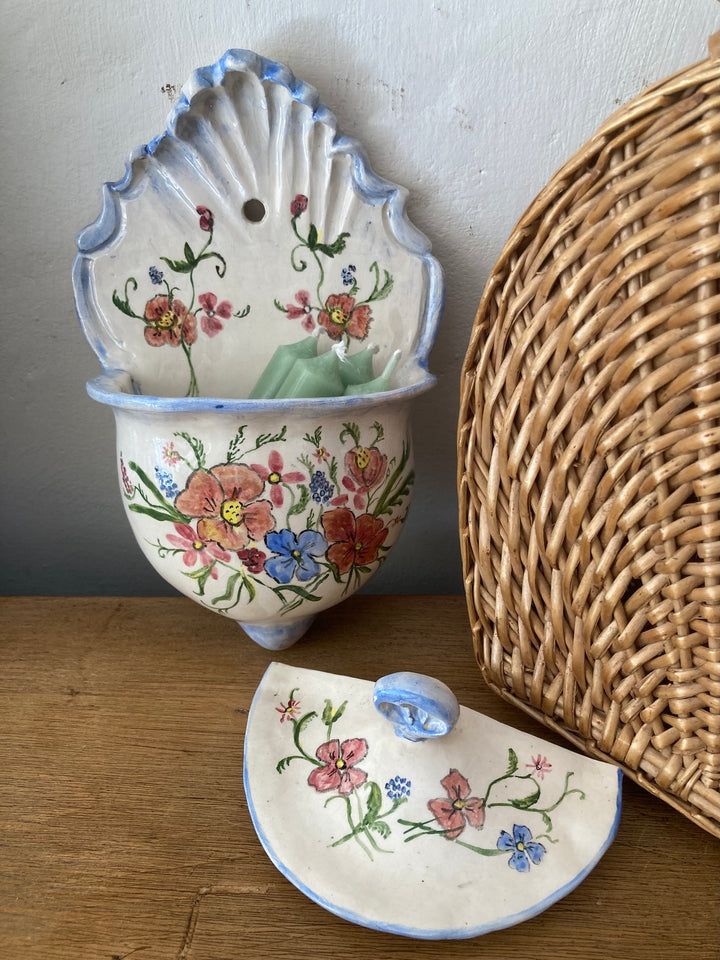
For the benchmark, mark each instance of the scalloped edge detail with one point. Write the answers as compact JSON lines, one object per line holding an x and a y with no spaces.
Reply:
{"x":373,"y":188}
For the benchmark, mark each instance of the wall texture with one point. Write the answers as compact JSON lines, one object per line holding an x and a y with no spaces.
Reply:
{"x":470,"y":105}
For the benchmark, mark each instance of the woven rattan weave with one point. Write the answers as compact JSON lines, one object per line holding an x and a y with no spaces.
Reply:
{"x":589,"y":449}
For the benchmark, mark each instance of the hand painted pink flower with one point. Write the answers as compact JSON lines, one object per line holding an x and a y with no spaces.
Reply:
{"x":353,"y":541}
{"x":298,"y":205}
{"x":168,"y":321}
{"x":273,"y":474}
{"x":296,"y":313}
{"x":207,"y":219}
{"x":253,"y":559}
{"x":170,"y":455}
{"x":338,"y":771}
{"x":342,"y":316}
{"x":225,"y":502}
{"x":288,"y":710}
{"x":541,"y":766}
{"x":127,"y":482}
{"x":213,"y":312}
{"x":366,"y":465}
{"x":459,"y":809}
{"x":321,"y":454}
{"x":360,"y":495}
{"x":185,"y":538}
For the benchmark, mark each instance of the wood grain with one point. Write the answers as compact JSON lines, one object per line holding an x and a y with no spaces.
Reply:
{"x":124,"y":828}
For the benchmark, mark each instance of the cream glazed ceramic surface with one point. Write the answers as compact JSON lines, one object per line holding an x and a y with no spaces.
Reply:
{"x":248,"y":233}
{"x":266,"y":517}
{"x":439,"y":824}
{"x":246,"y":224}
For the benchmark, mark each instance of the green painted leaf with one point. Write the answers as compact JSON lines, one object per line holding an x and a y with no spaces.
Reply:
{"x":352,"y":430}
{"x":513,"y":763}
{"x":300,"y":504}
{"x":300,"y":726}
{"x":178,"y":266}
{"x":380,"y":293}
{"x":156,"y":514}
{"x":236,"y":444}
{"x":197,"y":447}
{"x":526,"y":802}
{"x":123,"y":305}
{"x":220,"y":268}
{"x":298,"y":591}
{"x":314,"y":438}
{"x":200,"y":577}
{"x":250,"y":587}
{"x":312,"y":237}
{"x":379,"y":826}
{"x":334,"y":248}
{"x":374,"y":802}
{"x":232,"y":580}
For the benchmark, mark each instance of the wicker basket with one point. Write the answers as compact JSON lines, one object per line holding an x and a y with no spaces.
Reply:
{"x":589,"y":449}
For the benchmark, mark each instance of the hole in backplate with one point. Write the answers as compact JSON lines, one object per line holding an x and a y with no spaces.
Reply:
{"x":254,"y":210}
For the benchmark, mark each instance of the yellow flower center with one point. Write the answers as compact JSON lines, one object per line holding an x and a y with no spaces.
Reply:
{"x":340,"y":764}
{"x":198,"y":545}
{"x":296,"y":555}
{"x":274,"y":478}
{"x":231,"y":512}
{"x":520,"y":847}
{"x":166,"y":320}
{"x":339,"y":316}
{"x":362,"y":458}
{"x":459,"y":804}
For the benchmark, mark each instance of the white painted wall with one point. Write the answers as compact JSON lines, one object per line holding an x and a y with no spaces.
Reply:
{"x":471,"y":105}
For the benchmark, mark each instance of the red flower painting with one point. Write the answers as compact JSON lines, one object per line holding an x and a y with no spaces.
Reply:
{"x":338,"y":771}
{"x":458,"y":809}
{"x":213,"y":313}
{"x":354,"y":541}
{"x":225,"y":502}
{"x":341,"y":316}
{"x":196,"y":550}
{"x":168,"y":322}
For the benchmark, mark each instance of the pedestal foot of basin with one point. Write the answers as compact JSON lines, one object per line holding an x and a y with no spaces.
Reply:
{"x":277,"y":636}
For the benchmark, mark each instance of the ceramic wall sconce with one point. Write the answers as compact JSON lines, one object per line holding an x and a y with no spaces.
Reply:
{"x":263,"y":311}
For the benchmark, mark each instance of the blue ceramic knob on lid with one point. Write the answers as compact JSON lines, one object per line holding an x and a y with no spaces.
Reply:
{"x":419,"y":707}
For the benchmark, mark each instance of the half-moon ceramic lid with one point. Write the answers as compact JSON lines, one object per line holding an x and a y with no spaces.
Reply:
{"x":396,"y":809}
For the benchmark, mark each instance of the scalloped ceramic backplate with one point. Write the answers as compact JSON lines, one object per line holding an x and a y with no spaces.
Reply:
{"x":454,"y":836}
{"x":248,"y":222}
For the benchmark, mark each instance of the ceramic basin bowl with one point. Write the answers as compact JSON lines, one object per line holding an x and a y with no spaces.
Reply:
{"x":251,"y":241}
{"x":266,"y":516}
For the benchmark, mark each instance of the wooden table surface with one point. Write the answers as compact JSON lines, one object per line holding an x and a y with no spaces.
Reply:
{"x":124,"y":830}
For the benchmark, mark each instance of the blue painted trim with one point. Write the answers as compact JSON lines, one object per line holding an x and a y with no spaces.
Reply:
{"x":110,"y":388}
{"x":373,"y":188}
{"x":509,"y":920}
